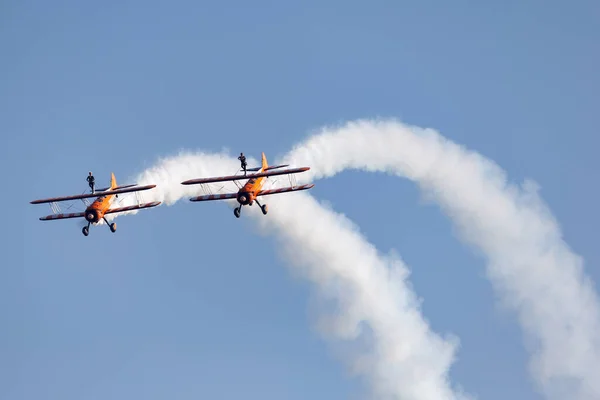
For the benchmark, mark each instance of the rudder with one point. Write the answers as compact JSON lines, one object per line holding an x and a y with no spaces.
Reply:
{"x":265,"y":165}
{"x":113,"y":181}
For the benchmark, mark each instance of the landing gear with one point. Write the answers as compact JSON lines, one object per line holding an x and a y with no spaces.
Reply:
{"x":86,"y":229}
{"x":113,"y":226}
{"x":263,"y":207}
{"x":238,"y":210}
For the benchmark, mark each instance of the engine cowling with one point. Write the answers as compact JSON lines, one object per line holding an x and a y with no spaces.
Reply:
{"x":92,"y":215}
{"x":245,"y":198}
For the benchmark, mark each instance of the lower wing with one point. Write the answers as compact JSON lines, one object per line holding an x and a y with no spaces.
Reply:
{"x":110,"y":211}
{"x":227,"y":196}
{"x":130,"y":208}
{"x":209,"y":197}
{"x":285,"y":189}
{"x":62,"y":216}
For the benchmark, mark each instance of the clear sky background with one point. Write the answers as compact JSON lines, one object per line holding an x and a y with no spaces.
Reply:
{"x":170,"y":306}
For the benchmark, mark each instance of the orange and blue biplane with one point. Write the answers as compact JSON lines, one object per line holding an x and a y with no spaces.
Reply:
{"x":99,"y":208}
{"x":249,"y":192}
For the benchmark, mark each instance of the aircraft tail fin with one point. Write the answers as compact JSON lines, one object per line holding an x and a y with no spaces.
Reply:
{"x":265,"y":164}
{"x":113,"y":181}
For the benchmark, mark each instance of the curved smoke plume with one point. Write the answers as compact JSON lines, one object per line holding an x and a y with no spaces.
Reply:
{"x":528,"y":263}
{"x":376,"y":306}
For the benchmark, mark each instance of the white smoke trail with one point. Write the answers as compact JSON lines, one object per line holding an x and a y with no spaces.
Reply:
{"x":406,"y":360}
{"x":169,"y":172}
{"x":528,"y":262}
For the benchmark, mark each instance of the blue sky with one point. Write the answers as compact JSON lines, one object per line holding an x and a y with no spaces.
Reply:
{"x":168,"y":306}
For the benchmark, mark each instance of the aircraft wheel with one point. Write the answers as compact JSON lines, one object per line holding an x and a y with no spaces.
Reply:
{"x":236,"y":212}
{"x":113,"y":227}
{"x":264,"y":209}
{"x":85,"y":231}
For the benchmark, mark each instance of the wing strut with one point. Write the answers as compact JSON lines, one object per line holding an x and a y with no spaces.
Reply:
{"x":55,"y":208}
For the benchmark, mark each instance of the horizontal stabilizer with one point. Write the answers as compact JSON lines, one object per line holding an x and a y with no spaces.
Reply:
{"x":240,"y":177}
{"x":118,"y":187}
{"x":89,"y":195}
{"x":270,"y":167}
{"x":256,"y":169}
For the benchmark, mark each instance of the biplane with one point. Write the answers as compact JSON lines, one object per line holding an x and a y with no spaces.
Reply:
{"x":249,"y":192}
{"x":100,"y":207}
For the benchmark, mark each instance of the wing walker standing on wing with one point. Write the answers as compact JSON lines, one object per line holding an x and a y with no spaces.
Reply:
{"x":91,"y":181}
{"x":250,"y":192}
{"x":242,"y":159}
{"x":101,"y":206}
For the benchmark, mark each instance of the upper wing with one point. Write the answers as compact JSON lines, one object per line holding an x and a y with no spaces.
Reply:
{"x":85,"y":196}
{"x":207,"y":197}
{"x":136,"y":207}
{"x":62,"y":216}
{"x":240,"y":177}
{"x":285,"y":189}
